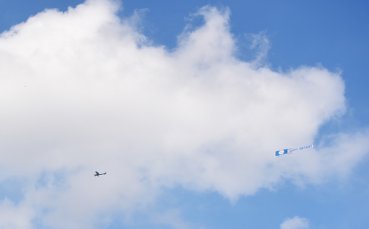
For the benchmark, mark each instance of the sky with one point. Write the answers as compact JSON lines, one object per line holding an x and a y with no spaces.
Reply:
{"x":183,"y":104}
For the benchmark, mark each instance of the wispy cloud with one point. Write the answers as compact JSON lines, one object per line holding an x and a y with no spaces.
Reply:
{"x":295,"y":223}
{"x":173,"y":219}
{"x":83,"y":90}
{"x":15,"y":216}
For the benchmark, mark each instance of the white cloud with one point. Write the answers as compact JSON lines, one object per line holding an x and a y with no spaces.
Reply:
{"x":173,"y":219}
{"x":13,"y":216}
{"x":84,"y":90}
{"x":295,"y":223}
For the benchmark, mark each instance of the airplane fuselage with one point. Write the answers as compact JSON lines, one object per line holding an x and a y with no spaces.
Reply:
{"x":99,"y":174}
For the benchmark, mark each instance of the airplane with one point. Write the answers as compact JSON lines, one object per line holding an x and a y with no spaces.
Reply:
{"x":99,"y":174}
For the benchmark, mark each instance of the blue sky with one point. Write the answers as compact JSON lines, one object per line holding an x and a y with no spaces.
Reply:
{"x":331,"y":35}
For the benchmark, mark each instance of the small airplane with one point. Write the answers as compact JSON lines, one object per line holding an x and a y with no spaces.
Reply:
{"x":99,"y":174}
